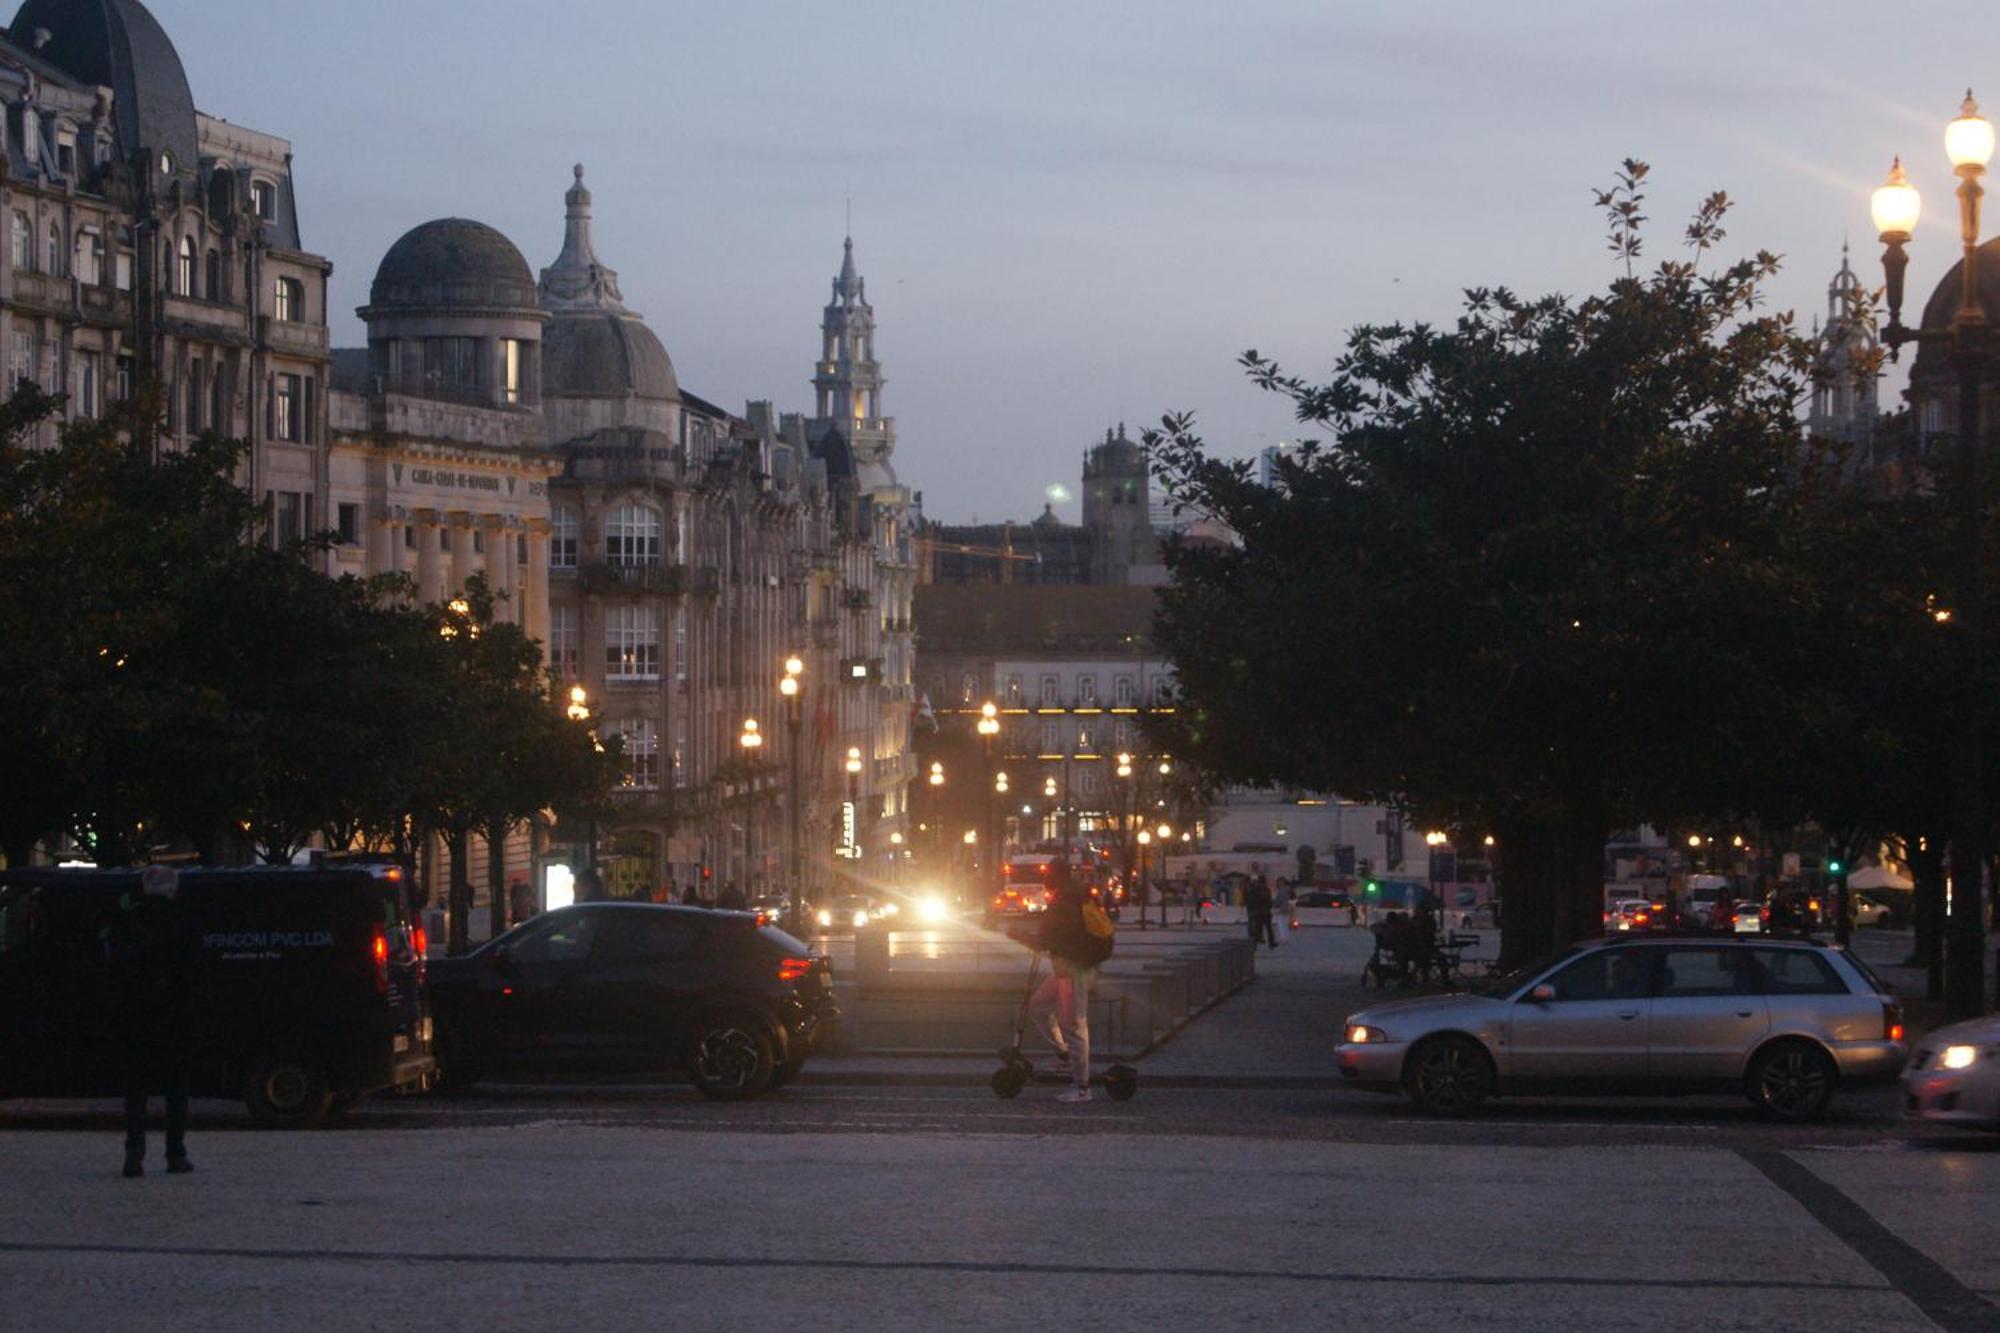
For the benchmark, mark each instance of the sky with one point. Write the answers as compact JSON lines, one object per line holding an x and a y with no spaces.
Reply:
{"x":1076,"y":214}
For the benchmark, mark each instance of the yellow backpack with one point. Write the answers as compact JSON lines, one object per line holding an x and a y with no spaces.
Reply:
{"x":1098,"y":933}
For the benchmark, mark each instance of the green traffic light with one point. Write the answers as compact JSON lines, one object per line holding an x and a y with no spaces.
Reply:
{"x":1833,"y":867}
{"x":1373,"y":887}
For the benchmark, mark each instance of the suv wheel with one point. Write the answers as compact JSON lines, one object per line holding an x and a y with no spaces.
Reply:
{"x":1448,"y":1076}
{"x":287,"y":1089}
{"x":730,"y":1057}
{"x":1792,"y":1080}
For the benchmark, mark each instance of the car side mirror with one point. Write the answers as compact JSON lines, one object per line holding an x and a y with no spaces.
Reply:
{"x":1543,"y":993}
{"x":501,"y":957}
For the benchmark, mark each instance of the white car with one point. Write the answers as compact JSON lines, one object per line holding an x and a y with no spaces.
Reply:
{"x":1868,"y":911}
{"x":1954,"y":1076}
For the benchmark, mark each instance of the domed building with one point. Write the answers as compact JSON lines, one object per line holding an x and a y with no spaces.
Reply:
{"x":151,"y":244}
{"x":1933,"y":389}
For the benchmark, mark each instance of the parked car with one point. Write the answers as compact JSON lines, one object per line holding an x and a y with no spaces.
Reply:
{"x":1869,"y":911}
{"x":1954,"y":1077}
{"x":309,"y":993}
{"x":1323,"y":898}
{"x":613,"y":987}
{"x":1784,"y":1022}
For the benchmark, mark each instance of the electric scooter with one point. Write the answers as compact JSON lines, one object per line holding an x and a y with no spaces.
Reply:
{"x":1016,"y":1070}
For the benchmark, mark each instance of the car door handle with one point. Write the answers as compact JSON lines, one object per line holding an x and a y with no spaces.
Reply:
{"x":1629,"y":1014}
{"x":1745,"y":1013}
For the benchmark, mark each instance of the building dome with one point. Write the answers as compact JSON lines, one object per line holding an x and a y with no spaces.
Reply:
{"x":118,"y":44}
{"x":1933,"y":361}
{"x":601,"y":354}
{"x":453,"y":264}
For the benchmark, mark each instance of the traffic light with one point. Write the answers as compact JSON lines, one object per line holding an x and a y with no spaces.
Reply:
{"x":1834,"y":867}
{"x":1374,"y":889}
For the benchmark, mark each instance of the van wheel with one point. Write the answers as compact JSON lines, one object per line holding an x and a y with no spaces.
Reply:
{"x":287,"y":1090}
{"x":1791,"y":1080}
{"x":730,"y":1058}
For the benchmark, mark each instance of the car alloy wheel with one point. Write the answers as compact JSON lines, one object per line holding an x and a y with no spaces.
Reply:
{"x":730,"y":1059}
{"x":1449,"y":1076}
{"x":1792,"y":1081}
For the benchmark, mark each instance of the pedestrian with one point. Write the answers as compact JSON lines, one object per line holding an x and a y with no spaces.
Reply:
{"x":1257,"y":911}
{"x":152,"y":949}
{"x":690,"y":898}
{"x":1353,"y":912}
{"x":731,"y":899}
{"x":1060,"y":1006}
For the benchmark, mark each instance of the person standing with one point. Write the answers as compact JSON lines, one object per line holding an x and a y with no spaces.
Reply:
{"x":153,"y":951}
{"x":1257,"y":911}
{"x":1060,"y":1006}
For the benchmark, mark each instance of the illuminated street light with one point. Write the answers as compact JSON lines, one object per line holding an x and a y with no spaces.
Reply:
{"x":579,"y":704}
{"x":937,"y":773}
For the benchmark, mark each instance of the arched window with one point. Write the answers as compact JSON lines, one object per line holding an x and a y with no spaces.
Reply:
{"x":184,"y":271}
{"x":632,"y":536}
{"x":562,"y":538}
{"x":290,"y":302}
{"x":24,"y":245}
{"x":55,"y":267}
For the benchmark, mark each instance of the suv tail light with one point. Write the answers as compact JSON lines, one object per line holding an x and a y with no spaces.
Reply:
{"x":794,"y":969}
{"x":379,"y":951}
{"x":1892,"y":1021}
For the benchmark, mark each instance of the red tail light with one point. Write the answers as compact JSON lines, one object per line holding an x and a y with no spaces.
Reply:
{"x":792,"y":969}
{"x":1892,"y":1021}
{"x":420,"y":942}
{"x":380,"y":951}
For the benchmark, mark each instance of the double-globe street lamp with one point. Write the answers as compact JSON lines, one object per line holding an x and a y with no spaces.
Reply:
{"x":789,"y":687}
{"x":857,"y":839}
{"x":587,"y":885}
{"x":1969,"y":341}
{"x":989,"y":731}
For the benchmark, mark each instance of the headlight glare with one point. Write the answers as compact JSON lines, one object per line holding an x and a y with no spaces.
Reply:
{"x":1958,"y":1057}
{"x":1361,"y":1035}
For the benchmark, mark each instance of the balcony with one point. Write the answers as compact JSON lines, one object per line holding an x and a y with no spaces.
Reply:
{"x":293,"y":339}
{"x":602,"y":576}
{"x":705,"y":581}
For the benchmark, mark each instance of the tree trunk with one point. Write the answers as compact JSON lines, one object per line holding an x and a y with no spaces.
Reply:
{"x":496,"y":877}
{"x":458,"y":900}
{"x":1926,"y":860}
{"x":1550,"y":868}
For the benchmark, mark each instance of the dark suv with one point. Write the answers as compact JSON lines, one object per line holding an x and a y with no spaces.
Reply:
{"x":635,"y":988}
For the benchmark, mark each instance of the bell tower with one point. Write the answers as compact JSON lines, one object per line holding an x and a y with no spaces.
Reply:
{"x":1844,"y":402}
{"x":847,"y":382}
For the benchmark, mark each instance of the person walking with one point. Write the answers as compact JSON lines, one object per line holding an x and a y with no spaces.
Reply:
{"x":1060,"y":1006}
{"x":153,"y":951}
{"x":731,"y":898}
{"x":1257,"y":911}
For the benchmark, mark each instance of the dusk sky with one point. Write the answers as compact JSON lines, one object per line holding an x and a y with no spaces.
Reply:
{"x":1072,"y":215}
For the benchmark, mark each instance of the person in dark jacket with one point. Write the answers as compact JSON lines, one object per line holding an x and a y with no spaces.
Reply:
{"x":731,"y":898}
{"x":1257,"y":906}
{"x":153,"y":950}
{"x":1060,"y":1007}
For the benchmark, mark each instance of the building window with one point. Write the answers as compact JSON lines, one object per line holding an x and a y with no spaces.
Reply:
{"x":212,"y":279}
{"x":22,"y":369}
{"x":289,"y":301}
{"x":349,"y":523}
{"x":86,"y":384}
{"x":1122,"y":735}
{"x":632,"y":536}
{"x":632,"y":643}
{"x":563,"y":657}
{"x":1086,"y":691}
{"x":24,"y":246}
{"x":642,"y":754}
{"x":264,"y":200}
{"x":1124,"y":692}
{"x":679,"y":755}
{"x":1085,"y":735}
{"x":55,"y":267}
{"x":194,"y":383}
{"x":1163,"y":691}
{"x":451,"y":363}
{"x":562,"y":538}
{"x":123,"y":388}
{"x":510,"y":370}
{"x":680,"y":646}
{"x":184,"y":269}
{"x":218,"y":420}
{"x":968,"y":685}
{"x":1052,"y":737}
{"x":479,"y":541}
{"x":1014,"y":691}
{"x":122,"y":271}
{"x":287,"y":408}
{"x":288,"y":518}
{"x":1051,"y":691}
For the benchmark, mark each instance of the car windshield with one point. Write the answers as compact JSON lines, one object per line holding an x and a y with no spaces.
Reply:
{"x":1502,"y":984}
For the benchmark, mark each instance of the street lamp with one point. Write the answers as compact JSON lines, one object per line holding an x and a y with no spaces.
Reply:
{"x":587,"y":885}
{"x":789,"y":686}
{"x":1969,"y":342}
{"x":989,"y":730}
{"x":752,"y":741}
{"x":854,"y":799}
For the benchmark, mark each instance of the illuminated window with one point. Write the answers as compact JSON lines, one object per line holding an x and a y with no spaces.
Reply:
{"x":563,"y":656}
{"x":289,"y":303}
{"x":642,"y":754}
{"x":632,"y":643}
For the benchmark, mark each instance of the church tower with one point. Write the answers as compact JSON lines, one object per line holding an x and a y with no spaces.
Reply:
{"x":1117,"y":514}
{"x":848,"y":380}
{"x":1844,"y":401}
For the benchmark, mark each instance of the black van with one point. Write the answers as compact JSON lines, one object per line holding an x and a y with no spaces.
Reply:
{"x":310,"y":993}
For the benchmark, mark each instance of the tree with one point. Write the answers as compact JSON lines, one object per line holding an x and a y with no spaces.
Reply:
{"x":1552,"y":575}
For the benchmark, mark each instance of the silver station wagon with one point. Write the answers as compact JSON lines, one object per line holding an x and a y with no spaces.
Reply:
{"x":1782,"y":1021}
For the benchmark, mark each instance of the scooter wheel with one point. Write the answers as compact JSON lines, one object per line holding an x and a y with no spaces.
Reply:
{"x":1008,"y":1082}
{"x":1121,"y":1082}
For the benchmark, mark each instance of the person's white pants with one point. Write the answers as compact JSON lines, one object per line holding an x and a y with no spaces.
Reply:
{"x":1060,"y":1010}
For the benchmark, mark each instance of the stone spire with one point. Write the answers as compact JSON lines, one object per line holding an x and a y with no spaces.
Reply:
{"x":847,"y":287}
{"x":578,"y":280}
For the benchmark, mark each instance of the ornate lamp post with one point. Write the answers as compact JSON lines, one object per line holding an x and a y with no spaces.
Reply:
{"x":1969,"y":341}
{"x":752,"y":741}
{"x":789,"y":687}
{"x":854,"y":800}
{"x":989,"y":729}
{"x":587,"y":885}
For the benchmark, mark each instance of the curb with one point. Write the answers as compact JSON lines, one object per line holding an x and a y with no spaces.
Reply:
{"x":1187,"y":1082}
